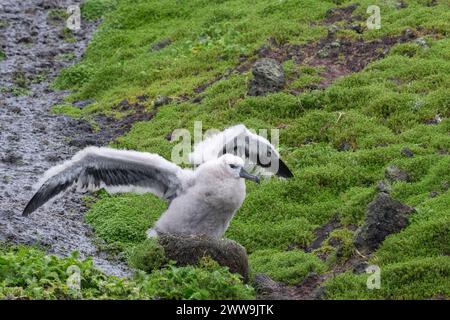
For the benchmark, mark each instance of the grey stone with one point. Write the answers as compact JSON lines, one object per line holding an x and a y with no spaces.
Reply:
{"x":393,"y":173}
{"x":384,"y":216}
{"x":383,"y":186}
{"x":161,"y":100}
{"x":161,"y":44}
{"x":422,"y":42}
{"x":407,"y":152}
{"x":268,"y":77}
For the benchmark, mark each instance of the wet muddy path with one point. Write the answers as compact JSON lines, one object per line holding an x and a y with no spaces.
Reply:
{"x":34,"y":48}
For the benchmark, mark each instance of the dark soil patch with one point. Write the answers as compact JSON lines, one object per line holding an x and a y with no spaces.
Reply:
{"x":341,"y":14}
{"x":337,"y":57}
{"x":323,"y":233}
{"x":311,"y":288}
{"x":110,"y":128}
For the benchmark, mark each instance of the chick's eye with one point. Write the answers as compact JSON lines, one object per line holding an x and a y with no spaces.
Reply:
{"x":232,"y":166}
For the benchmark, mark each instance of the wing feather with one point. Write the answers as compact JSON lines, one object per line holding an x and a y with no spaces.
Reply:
{"x":116,"y":170}
{"x":238,"y":140}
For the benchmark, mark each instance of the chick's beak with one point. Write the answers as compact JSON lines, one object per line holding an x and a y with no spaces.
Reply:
{"x":244,"y":174}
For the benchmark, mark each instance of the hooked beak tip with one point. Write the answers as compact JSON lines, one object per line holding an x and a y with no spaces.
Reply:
{"x":244,"y":174}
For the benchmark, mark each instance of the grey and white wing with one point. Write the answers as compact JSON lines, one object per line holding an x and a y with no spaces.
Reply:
{"x":238,"y":140}
{"x":115,"y":170}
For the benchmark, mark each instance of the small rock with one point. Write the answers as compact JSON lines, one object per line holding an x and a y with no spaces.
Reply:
{"x":268,"y":77}
{"x":384,"y":216}
{"x":360,"y":267}
{"x":422,"y":42}
{"x":161,"y":100}
{"x":383,"y":186}
{"x":82,"y":142}
{"x":345,"y":146}
{"x":16,"y":110}
{"x":188,"y":250}
{"x":401,"y":5}
{"x":161,"y":44}
{"x":393,"y":173}
{"x":409,"y":33}
{"x":433,"y":194}
{"x":357,"y":28}
{"x":436,"y":120}
{"x":407,"y":152}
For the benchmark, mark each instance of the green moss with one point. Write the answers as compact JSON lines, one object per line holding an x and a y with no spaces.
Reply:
{"x":287,"y":266}
{"x":147,"y":256}
{"x":207,"y":281}
{"x":57,"y":16}
{"x":124,"y":219}
{"x":95,"y":9}
{"x":66,"y":109}
{"x":414,"y":279}
{"x":28,"y":273}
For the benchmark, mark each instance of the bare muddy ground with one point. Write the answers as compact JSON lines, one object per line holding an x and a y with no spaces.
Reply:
{"x":31,"y":139}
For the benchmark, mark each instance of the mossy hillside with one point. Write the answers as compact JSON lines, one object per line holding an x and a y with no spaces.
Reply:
{"x":414,"y":263}
{"x":207,"y":37}
{"x":338,"y":141}
{"x":28,"y":273}
{"x":419,"y":278}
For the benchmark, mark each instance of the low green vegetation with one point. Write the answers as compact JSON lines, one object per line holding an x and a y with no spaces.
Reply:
{"x":27,"y":273}
{"x":290,"y":267}
{"x":338,"y":140}
{"x":148,"y":255}
{"x":95,"y":9}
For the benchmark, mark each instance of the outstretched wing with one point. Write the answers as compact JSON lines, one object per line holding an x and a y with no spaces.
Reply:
{"x":115,"y":170}
{"x":238,"y":140}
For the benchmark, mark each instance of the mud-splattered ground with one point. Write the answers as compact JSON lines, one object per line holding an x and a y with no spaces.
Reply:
{"x":36,"y":47}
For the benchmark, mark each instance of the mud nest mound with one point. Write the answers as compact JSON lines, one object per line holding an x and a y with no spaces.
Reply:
{"x":188,"y":250}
